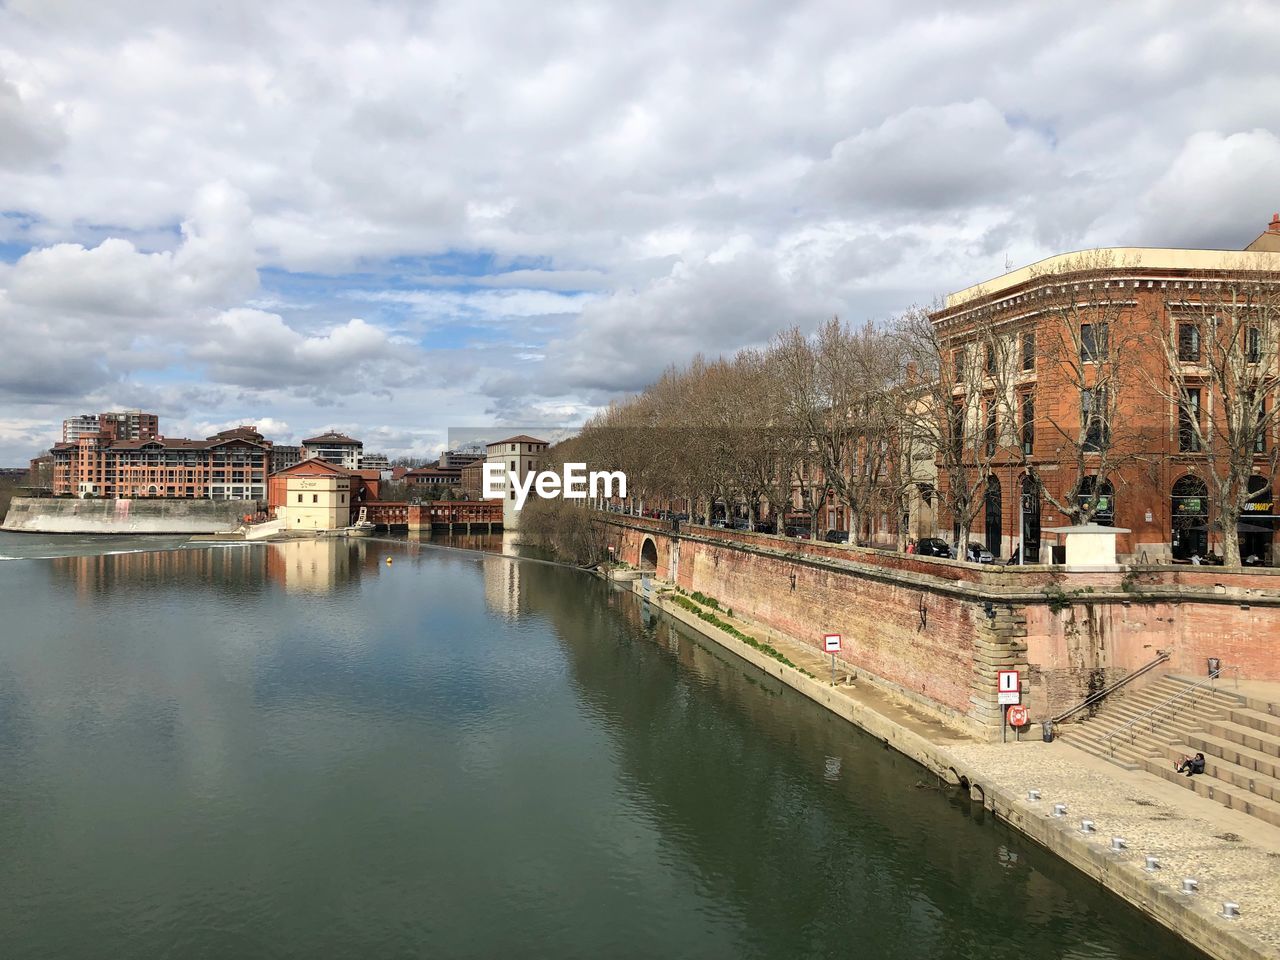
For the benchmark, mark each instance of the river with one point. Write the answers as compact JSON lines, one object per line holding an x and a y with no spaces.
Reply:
{"x":300,"y":750}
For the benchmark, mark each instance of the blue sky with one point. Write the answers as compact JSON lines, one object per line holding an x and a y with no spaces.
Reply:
{"x":395,"y":217}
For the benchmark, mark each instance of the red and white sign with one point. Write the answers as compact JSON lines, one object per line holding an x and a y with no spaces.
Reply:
{"x":1017,"y":715}
{"x":1008,"y":687}
{"x":831,"y":642}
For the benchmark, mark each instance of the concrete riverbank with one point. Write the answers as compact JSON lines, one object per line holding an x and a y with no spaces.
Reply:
{"x":132,"y":517}
{"x":1231,"y":855}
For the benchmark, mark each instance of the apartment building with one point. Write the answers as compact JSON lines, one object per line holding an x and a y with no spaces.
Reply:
{"x":231,"y":465}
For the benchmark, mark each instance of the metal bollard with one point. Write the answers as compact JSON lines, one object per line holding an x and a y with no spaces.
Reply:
{"x":1059,"y":809}
{"x":1033,"y":794}
{"x":1190,"y":885}
{"x":1118,"y":843}
{"x":1152,"y":865}
{"x":1086,"y":826}
{"x":1230,"y":911}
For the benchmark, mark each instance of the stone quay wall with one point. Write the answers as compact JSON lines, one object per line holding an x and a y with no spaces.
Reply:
{"x":143,"y":516}
{"x":937,"y":630}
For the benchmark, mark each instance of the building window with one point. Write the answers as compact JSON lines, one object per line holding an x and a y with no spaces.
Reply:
{"x":957,"y":364}
{"x":1028,"y":422}
{"x":957,"y":428}
{"x":1260,"y":438}
{"x":990,"y":430}
{"x":1105,"y":507}
{"x":990,"y":360}
{"x":1029,"y":351}
{"x":1093,"y":342}
{"x":342,"y":498}
{"x":1189,"y":421}
{"x":1253,"y":345}
{"x":1188,"y":343}
{"x":1093,"y":417}
{"x":299,"y":498}
{"x":513,"y":466}
{"x":315,"y":498}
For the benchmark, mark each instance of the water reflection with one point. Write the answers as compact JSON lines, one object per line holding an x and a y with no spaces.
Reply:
{"x":227,"y":569}
{"x":297,"y":750}
{"x":322,"y":565}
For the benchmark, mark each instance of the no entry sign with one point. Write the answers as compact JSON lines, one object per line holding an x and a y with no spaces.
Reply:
{"x":1008,"y":688}
{"x":831,"y":642}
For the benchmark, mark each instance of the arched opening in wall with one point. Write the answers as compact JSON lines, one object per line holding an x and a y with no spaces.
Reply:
{"x":1190,"y":502}
{"x":648,"y":555}
{"x":995,"y":508}
{"x":1105,"y":514}
{"x":1030,"y":520}
{"x":1257,"y":524}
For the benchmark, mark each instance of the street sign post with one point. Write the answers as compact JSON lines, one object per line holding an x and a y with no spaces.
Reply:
{"x":831,"y":643}
{"x":1008,"y":691}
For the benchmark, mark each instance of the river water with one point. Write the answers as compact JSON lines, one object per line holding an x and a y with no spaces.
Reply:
{"x":299,"y":750}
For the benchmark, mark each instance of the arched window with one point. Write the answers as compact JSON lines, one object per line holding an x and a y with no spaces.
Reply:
{"x":1190,"y":503}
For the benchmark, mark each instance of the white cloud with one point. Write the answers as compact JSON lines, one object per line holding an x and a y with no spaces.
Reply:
{"x":598,"y":191}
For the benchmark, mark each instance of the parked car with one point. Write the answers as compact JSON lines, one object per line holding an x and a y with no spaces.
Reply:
{"x":766,"y":526}
{"x":977,"y":553}
{"x":836,"y":536}
{"x":740,"y":523}
{"x":800,"y":533}
{"x":934,"y":547}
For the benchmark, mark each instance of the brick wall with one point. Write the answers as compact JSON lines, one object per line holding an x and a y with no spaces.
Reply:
{"x":1069,"y":632}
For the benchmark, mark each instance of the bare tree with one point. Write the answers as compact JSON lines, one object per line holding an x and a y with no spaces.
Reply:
{"x":958,"y":389}
{"x":1220,"y":352}
{"x":1084,"y":343}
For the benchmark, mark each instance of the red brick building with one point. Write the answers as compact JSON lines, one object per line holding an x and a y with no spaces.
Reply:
{"x":1121,"y":320}
{"x":231,"y":465}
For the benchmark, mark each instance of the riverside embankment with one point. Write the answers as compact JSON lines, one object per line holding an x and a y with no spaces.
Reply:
{"x":145,"y":516}
{"x":938,"y":631}
{"x":1230,"y":854}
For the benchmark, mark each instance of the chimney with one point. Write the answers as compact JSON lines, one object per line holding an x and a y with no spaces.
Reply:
{"x":1274,"y":225}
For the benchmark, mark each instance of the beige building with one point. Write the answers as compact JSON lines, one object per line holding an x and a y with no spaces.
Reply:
{"x":521,"y":456}
{"x":316,"y":503}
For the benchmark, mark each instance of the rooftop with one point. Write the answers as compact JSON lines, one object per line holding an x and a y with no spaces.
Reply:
{"x":522,"y":438}
{"x":333,"y":437}
{"x":1260,"y":256}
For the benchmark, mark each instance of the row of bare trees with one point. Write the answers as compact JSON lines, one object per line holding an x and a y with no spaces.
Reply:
{"x":1078,"y":376}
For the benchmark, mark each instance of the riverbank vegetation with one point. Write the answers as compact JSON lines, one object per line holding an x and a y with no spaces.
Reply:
{"x":8,"y":490}
{"x":565,"y":529}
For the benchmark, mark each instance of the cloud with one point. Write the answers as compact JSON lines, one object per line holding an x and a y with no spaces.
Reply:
{"x":537,"y":207}
{"x":253,"y":348}
{"x":1215,"y":193}
{"x":895,"y":165}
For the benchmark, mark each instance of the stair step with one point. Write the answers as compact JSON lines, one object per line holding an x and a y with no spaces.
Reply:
{"x":1232,"y":752}
{"x":1256,"y":719}
{"x":1225,"y":794}
{"x":1245,"y":736}
{"x":1231,"y":774}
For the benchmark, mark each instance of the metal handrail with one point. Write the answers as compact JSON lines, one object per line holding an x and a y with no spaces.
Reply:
{"x":1159,"y":706}
{"x":1095,"y":697}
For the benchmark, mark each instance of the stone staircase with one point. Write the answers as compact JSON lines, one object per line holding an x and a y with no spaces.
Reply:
{"x":1238,"y":735}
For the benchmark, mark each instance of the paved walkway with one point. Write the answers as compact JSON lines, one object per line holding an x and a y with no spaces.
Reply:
{"x":1234,"y":856}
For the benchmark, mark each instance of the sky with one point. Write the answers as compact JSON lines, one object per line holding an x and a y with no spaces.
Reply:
{"x":392,"y":218}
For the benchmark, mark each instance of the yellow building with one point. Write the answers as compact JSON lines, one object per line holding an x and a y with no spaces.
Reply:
{"x":317,"y":503}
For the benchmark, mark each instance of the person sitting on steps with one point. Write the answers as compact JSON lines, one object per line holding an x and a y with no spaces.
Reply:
{"x":1190,"y":765}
